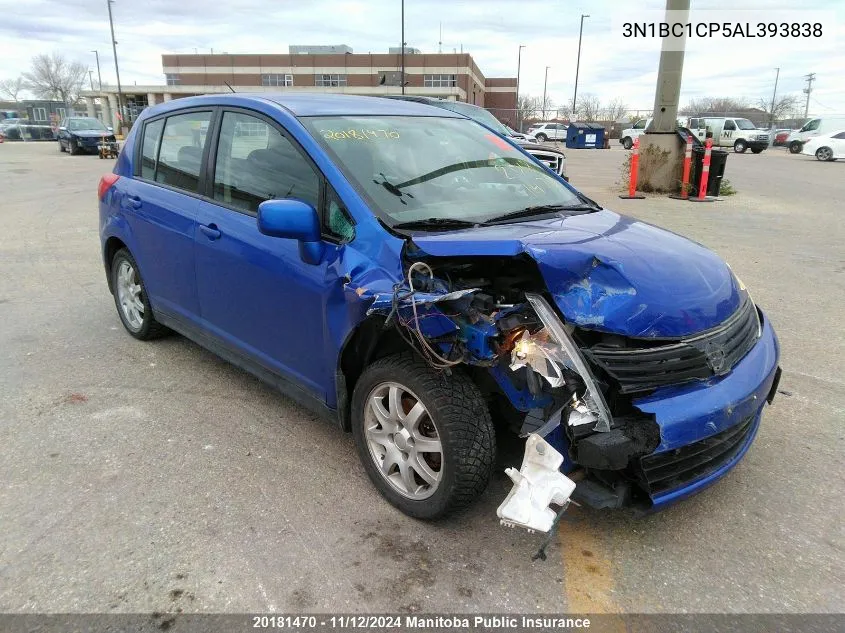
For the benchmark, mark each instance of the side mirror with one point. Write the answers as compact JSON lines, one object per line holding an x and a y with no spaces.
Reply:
{"x":110,"y":128}
{"x":293,"y":219}
{"x":63,"y":129}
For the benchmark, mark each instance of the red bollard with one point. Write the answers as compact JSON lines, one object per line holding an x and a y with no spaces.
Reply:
{"x":687,"y":161}
{"x":705,"y":174}
{"x":635,"y":164}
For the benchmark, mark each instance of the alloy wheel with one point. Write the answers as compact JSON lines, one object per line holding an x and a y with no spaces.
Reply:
{"x":403,"y":440}
{"x":824,"y":153}
{"x":129,"y":295}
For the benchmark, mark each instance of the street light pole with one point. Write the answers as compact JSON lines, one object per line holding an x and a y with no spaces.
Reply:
{"x":99,"y":76}
{"x":91,"y":78}
{"x":545,"y":83}
{"x":578,"y":63}
{"x":116,"y":69}
{"x":518,"y":111}
{"x":774,"y":93}
{"x":403,"y":48}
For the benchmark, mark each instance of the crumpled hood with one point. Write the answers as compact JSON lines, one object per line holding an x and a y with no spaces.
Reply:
{"x":609,"y":272}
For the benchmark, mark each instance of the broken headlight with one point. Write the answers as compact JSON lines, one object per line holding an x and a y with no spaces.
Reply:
{"x":552,"y":354}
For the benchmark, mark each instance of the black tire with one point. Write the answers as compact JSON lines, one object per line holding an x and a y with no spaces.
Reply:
{"x":627,"y":143}
{"x":795,"y":147}
{"x":74,"y":148}
{"x":756,"y":151}
{"x":149,"y":328}
{"x":61,"y":147}
{"x":740,"y":147}
{"x":463,"y":424}
{"x":824,"y":154}
{"x":542,"y":138}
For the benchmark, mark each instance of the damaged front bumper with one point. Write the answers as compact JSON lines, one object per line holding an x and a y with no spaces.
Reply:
{"x":705,"y":430}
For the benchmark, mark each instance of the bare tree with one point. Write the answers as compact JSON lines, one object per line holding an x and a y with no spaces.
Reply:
{"x":588,"y":107}
{"x":11,"y":88}
{"x":563,"y":111}
{"x":784,"y":106}
{"x":528,"y":106}
{"x":54,"y":77}
{"x":615,"y":110}
{"x":714,"y":105}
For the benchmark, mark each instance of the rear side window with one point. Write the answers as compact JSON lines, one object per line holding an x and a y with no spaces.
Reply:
{"x":729,"y":125}
{"x":841,"y":135}
{"x":182,"y":144}
{"x":256,"y":163}
{"x":149,"y":148}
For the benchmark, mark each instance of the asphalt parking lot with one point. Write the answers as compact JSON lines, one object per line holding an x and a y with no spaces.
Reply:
{"x":156,"y":477}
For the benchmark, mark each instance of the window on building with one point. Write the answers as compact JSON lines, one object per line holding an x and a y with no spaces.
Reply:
{"x":182,"y":144}
{"x":252,"y":167}
{"x":440,"y":81}
{"x":330,"y":81}
{"x":277,"y":80}
{"x":39,"y":114}
{"x":60,"y":112}
{"x":173,"y":79}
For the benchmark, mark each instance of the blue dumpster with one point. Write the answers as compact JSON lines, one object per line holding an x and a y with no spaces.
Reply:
{"x":585,"y":136}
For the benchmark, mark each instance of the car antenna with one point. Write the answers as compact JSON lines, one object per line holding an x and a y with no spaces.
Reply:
{"x":229,"y":87}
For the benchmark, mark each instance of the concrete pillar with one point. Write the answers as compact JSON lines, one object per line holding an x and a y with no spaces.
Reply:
{"x":167,"y":97}
{"x":113,"y":111}
{"x":89,"y":107}
{"x":107,"y":113}
{"x":151,"y":98}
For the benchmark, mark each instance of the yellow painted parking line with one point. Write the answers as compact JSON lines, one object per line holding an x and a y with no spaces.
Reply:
{"x":588,"y":572}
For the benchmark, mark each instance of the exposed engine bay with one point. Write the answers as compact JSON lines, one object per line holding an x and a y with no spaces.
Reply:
{"x":491,"y":315}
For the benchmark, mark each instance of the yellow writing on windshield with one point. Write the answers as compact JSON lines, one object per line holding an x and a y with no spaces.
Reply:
{"x":359,"y":135}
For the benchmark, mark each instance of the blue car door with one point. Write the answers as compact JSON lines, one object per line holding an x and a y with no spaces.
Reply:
{"x":160,"y":205}
{"x":255,"y":292}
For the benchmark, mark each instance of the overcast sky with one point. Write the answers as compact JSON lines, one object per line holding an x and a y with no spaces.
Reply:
{"x":491,"y":30}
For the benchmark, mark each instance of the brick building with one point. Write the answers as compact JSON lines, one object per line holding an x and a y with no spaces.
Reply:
{"x":453,"y":76}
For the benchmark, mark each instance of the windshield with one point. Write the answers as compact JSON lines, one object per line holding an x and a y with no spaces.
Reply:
{"x":745,"y":124}
{"x":85,"y":124}
{"x":477,"y":114}
{"x":417,"y":168}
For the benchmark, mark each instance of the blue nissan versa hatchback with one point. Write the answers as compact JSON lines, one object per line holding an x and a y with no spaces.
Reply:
{"x":427,"y":284}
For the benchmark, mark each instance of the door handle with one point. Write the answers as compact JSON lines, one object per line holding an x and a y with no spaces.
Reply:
{"x":134,"y":202}
{"x":211,"y":231}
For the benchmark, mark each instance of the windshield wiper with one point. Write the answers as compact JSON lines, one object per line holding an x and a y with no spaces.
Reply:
{"x":435,"y":223}
{"x":541,"y":209}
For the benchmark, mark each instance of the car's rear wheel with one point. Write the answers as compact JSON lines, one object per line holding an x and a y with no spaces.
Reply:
{"x":425,"y":439}
{"x":795,"y":147}
{"x":740,"y":147}
{"x":824,"y":153}
{"x":627,"y":143}
{"x":131,"y":300}
{"x":542,"y":138}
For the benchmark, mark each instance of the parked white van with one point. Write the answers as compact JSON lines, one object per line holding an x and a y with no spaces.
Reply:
{"x":736,"y":132}
{"x":813,"y":127}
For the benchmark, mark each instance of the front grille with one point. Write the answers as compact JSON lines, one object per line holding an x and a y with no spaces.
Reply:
{"x":711,"y":353}
{"x":665,"y":471}
{"x":550,"y":159}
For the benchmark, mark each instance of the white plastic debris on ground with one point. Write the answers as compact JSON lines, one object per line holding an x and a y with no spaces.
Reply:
{"x":537,"y":484}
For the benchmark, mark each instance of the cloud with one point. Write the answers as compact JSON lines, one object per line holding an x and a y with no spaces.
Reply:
{"x":491,"y":31}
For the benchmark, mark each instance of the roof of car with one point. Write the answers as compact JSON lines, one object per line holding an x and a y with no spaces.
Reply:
{"x":316,"y":104}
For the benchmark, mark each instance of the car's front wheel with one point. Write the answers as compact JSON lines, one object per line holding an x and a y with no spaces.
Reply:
{"x":131,"y":300}
{"x":61,"y":147}
{"x":740,"y":147}
{"x":425,"y":439}
{"x":627,"y":143}
{"x":74,"y":147}
{"x":756,"y":151}
{"x":824,"y":153}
